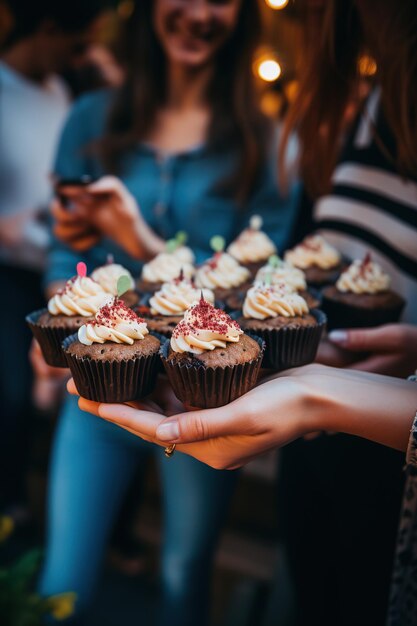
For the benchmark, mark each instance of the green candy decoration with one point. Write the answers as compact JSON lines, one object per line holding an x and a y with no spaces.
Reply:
{"x":217,"y":243}
{"x":179,"y":240}
{"x":171,"y":245}
{"x":274,"y":261}
{"x":181,"y":237}
{"x":123,"y":285}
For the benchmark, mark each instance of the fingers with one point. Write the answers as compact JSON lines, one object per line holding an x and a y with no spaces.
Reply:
{"x":140,"y":422}
{"x":41,"y":367}
{"x":80,"y":238}
{"x":106,"y":184}
{"x":331,"y":354}
{"x":71,"y":388}
{"x":380,"y":339}
{"x":387,"y":365}
{"x":205,"y":424}
{"x":77,"y":210}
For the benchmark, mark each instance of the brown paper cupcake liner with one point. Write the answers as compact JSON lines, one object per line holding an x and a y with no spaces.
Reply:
{"x":291,"y":347}
{"x":211,"y":387}
{"x":49,"y":338}
{"x":342,"y":315}
{"x":112,"y":381}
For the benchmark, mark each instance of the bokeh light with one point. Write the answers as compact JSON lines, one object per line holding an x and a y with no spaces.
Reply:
{"x":367,"y":66}
{"x":269,"y":70}
{"x":277,"y":4}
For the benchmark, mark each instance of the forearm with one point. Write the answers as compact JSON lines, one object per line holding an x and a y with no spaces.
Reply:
{"x":374,"y":407}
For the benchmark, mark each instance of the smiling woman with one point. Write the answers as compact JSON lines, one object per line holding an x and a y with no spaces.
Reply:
{"x":180,"y":146}
{"x":214,"y":41}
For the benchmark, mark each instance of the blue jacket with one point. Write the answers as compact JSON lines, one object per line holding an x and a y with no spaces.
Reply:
{"x":174,"y":193}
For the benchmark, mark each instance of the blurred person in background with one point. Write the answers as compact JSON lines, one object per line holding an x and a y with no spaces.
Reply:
{"x":361,"y":176}
{"x":181,"y":145}
{"x":42,"y":39}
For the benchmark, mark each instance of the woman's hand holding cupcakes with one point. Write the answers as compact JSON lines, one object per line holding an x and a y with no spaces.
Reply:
{"x":281,"y":409}
{"x":224,"y":438}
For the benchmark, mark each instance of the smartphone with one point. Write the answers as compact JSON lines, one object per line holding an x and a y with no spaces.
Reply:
{"x":81,"y":181}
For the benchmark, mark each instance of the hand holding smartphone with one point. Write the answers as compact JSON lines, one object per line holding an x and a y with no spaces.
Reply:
{"x":60,"y":184}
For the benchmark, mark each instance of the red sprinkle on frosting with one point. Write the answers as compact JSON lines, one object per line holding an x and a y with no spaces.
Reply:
{"x":309,"y":244}
{"x":204,"y":316}
{"x":365,"y":264}
{"x":110,"y":314}
{"x":212,"y":262}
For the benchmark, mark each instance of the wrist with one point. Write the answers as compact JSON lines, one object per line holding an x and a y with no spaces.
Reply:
{"x":147,"y":243}
{"x":320,"y":409}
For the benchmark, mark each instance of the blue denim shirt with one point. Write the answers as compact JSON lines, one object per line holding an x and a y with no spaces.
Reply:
{"x":174,"y":192}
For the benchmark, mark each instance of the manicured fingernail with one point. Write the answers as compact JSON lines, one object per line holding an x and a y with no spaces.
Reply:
{"x":168,"y":432}
{"x":338,"y":336}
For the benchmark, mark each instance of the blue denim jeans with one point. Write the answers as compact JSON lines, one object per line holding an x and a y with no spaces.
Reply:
{"x":91,"y":466}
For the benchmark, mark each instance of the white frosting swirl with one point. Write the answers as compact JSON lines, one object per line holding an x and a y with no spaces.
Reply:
{"x":313,"y":251}
{"x":108,"y":275}
{"x":81,"y":296}
{"x":262,"y":302}
{"x":113,"y":322}
{"x":363,"y":277}
{"x":176,"y":297}
{"x":185,"y":255}
{"x":204,"y":328}
{"x":285,"y":273}
{"x":223,"y":271}
{"x":252,"y":245}
{"x":165,"y":267}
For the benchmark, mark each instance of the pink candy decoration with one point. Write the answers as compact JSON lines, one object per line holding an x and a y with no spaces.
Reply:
{"x":81,"y":269}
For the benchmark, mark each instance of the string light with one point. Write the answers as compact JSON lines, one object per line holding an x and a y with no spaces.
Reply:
{"x":277,"y":4}
{"x":269,"y":70}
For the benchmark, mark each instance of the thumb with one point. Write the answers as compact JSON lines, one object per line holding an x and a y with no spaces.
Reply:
{"x":378,"y":339}
{"x":199,"y":425}
{"x":105,"y":184}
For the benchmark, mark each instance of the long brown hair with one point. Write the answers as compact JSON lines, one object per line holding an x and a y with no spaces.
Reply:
{"x":344,"y":31}
{"x":236,"y":121}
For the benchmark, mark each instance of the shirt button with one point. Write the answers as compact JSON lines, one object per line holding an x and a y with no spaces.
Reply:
{"x":160,"y":209}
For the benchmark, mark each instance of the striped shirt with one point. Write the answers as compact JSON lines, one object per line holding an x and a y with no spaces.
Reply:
{"x":372,"y":208}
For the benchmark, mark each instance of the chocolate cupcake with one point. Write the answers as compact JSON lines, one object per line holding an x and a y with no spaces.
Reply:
{"x":362,"y":298}
{"x":252,"y":248}
{"x":67,"y":310}
{"x":222,"y":274}
{"x":320,"y":262}
{"x":108,"y":275}
{"x":282,"y":318}
{"x":163,"y":268}
{"x":168,"y":305}
{"x":209,"y":361}
{"x":113,"y":358}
